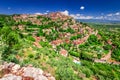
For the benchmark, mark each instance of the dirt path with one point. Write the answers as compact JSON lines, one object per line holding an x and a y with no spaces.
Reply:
{"x":107,"y":57}
{"x":36,"y":43}
{"x":86,"y":37}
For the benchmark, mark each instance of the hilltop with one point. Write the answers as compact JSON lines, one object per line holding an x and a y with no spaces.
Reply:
{"x":60,"y":45}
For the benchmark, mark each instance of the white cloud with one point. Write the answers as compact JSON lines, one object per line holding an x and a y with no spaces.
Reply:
{"x":82,"y":7}
{"x":45,"y":13}
{"x":66,"y":12}
{"x":99,"y":17}
{"x":109,"y":14}
{"x":118,"y":13}
{"x":78,"y":14}
{"x":81,"y":16}
{"x":112,"y":16}
{"x":38,"y":13}
{"x":86,"y":17}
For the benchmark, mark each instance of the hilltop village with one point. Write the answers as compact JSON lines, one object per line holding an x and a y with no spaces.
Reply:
{"x":55,"y":46}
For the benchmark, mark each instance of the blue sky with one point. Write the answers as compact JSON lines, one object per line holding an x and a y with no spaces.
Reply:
{"x":83,"y":9}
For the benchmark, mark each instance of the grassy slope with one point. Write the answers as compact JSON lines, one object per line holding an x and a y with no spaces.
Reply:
{"x":63,"y":68}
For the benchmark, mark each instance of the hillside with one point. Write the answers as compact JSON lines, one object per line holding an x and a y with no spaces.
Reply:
{"x":99,"y":21}
{"x":61,"y":46}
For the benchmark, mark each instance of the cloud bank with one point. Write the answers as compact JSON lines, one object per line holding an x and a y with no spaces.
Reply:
{"x":81,"y":16}
{"x":110,"y":16}
{"x":66,"y":12}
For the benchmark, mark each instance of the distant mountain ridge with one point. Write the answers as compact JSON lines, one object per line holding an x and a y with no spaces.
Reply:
{"x":99,"y":21}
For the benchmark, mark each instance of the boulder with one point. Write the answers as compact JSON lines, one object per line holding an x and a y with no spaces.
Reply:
{"x":40,"y":77}
{"x":15,"y":68}
{"x":13,"y":71}
{"x":11,"y":77}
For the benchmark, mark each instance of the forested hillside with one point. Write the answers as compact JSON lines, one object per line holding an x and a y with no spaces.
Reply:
{"x":59,"y":45}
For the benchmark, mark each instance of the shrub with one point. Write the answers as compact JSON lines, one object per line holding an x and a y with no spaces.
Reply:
{"x":86,"y":56}
{"x":12,"y":58}
{"x":73,"y":38}
{"x":12,"y":38}
{"x":30,"y":38}
{"x":30,"y":55}
{"x":37,"y":55}
{"x":63,"y":73}
{"x":70,"y":30}
{"x":1,"y":25}
{"x":40,"y":33}
{"x":45,"y":44}
{"x":38,"y":17}
{"x":87,"y":71}
{"x":76,"y":37}
{"x":73,"y":53}
{"x":107,"y":47}
{"x":116,"y":54}
{"x":82,"y":46}
{"x":28,"y":23}
{"x":93,"y":39}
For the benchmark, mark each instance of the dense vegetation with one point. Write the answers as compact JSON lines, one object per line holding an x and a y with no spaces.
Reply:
{"x":110,"y":32}
{"x":20,"y":45}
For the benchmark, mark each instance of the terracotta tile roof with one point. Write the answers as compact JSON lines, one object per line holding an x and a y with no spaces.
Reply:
{"x":64,"y":52}
{"x":67,"y":41}
{"x":57,"y":42}
{"x":109,"y":42}
{"x":77,"y":42}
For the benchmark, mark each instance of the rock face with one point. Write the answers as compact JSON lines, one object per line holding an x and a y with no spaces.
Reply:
{"x":11,"y":71}
{"x":11,"y":77}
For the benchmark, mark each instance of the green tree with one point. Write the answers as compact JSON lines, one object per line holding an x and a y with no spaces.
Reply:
{"x":92,"y":39}
{"x":1,"y":25}
{"x":10,"y":38}
{"x":116,"y":54}
{"x":107,"y":47}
